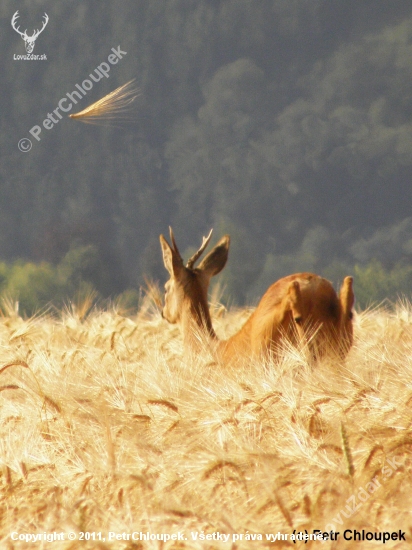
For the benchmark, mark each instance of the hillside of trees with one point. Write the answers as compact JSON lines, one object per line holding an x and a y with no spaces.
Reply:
{"x":287,"y":124}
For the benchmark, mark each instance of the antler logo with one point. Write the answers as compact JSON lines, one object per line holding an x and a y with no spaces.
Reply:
{"x":28,"y":40}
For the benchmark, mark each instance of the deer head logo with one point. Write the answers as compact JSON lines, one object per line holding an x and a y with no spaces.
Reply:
{"x":28,"y":40}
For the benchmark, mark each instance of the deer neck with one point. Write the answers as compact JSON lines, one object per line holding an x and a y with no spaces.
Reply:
{"x":196,"y":325}
{"x":198,"y":333}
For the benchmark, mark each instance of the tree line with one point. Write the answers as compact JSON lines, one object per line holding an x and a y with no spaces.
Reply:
{"x":287,"y":125}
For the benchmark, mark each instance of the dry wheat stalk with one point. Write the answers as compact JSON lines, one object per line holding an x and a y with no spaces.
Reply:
{"x":133,"y":441}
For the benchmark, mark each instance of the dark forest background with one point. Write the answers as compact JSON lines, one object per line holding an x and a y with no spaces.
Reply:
{"x":286,"y":123}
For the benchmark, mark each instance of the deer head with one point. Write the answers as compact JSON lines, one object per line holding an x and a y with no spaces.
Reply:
{"x":29,"y":41}
{"x":186,"y":290}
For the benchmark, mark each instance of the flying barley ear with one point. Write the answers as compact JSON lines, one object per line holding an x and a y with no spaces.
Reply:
{"x":112,"y":108}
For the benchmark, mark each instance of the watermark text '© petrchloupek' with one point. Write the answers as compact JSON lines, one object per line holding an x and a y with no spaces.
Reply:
{"x":65,"y":104}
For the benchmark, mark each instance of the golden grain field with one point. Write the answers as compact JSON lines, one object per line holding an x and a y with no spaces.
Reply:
{"x":106,"y":428}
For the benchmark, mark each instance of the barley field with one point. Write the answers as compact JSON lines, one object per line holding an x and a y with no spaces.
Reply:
{"x":107,"y":430}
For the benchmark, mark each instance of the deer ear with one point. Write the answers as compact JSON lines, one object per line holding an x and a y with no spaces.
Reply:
{"x":215,"y":261}
{"x":172,"y":259}
{"x":346,"y":296}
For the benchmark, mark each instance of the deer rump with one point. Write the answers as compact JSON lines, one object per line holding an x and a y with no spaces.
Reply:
{"x":302,"y":309}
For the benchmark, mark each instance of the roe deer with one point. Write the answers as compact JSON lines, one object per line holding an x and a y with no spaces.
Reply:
{"x":302,"y":308}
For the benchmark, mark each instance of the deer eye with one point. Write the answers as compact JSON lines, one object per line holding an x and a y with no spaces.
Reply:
{"x":350,"y":315}
{"x":298,"y":320}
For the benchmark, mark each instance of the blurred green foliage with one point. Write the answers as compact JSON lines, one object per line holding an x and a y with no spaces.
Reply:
{"x":36,"y":286}
{"x":32,"y":285}
{"x":373,"y":283}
